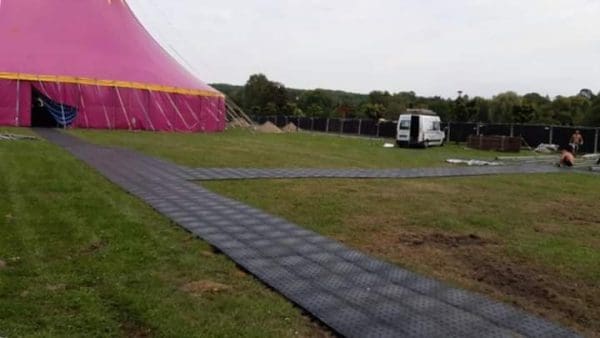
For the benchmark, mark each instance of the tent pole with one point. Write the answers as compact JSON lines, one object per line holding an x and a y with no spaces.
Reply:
{"x":123,"y":108}
{"x":83,"y":110}
{"x":62,"y":107}
{"x":17,"y":122}
{"x":187,"y":104}
{"x":178,"y":112}
{"x":104,"y":108}
{"x":137,"y":97}
{"x":162,"y":111}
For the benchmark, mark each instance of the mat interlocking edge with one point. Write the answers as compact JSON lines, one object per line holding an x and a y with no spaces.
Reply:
{"x":352,"y":293}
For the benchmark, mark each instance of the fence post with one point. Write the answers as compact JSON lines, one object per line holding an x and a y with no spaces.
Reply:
{"x":596,"y":139}
{"x":378,"y":126}
{"x":551,"y":135}
{"x":312,"y":124}
{"x":448,"y":133}
{"x":286,"y":120}
{"x":359,"y":126}
{"x":512,"y":130}
{"x":327,"y":126}
{"x":478,"y":129}
{"x":342,"y":125}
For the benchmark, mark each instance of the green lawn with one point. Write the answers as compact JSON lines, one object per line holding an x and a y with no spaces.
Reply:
{"x":92,"y":259}
{"x":80,"y":258}
{"x":532,"y":240}
{"x":241,"y":148}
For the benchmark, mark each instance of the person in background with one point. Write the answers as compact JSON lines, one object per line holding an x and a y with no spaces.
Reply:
{"x":567,"y":159}
{"x":576,"y":141}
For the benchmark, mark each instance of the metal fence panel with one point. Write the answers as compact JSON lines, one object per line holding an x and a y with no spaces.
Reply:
{"x":368,"y":128}
{"x":305,"y":123}
{"x":351,"y":126}
{"x":533,"y":135}
{"x":495,"y":129}
{"x":335,"y":125}
{"x":388,"y":129}
{"x":294,"y":120}
{"x":320,"y":124}
{"x":281,"y":121}
{"x":459,"y":132}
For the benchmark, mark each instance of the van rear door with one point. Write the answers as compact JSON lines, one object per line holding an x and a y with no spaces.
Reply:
{"x":415,"y":128}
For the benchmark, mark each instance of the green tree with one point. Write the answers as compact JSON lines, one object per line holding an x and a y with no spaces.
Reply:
{"x":264,"y":97}
{"x":316,"y":103}
{"x":503,"y":106}
{"x":373,"y":110}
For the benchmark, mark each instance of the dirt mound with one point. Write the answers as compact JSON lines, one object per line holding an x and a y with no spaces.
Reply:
{"x":204,"y":286}
{"x":268,"y":127}
{"x":2,"y":264}
{"x":290,"y":128}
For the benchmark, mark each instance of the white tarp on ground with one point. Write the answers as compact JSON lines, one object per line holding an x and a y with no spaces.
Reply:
{"x":13,"y":137}
{"x":547,"y":148}
{"x":473,"y":163}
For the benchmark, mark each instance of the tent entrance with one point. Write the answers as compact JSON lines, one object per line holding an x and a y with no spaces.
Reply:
{"x":48,"y":113}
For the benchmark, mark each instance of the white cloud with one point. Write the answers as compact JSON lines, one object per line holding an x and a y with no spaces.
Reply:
{"x":431,"y":46}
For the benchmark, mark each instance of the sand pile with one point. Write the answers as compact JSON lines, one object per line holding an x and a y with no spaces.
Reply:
{"x":268,"y":127}
{"x":290,"y":128}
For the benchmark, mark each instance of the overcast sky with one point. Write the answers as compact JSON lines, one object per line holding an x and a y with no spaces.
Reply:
{"x":433,"y":47}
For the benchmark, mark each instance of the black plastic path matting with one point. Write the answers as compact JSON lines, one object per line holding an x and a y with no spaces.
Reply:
{"x":354,"y":294}
{"x":243,"y":173}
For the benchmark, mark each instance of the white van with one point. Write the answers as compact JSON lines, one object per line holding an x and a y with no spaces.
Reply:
{"x":420,"y":127}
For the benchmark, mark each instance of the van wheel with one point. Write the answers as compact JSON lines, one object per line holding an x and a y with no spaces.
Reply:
{"x":426,"y":144}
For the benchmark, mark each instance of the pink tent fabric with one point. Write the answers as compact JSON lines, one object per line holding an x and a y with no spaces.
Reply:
{"x":95,"y":55}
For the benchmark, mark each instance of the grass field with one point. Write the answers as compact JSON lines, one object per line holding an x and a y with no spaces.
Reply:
{"x":80,"y":258}
{"x":84,"y":257}
{"x":531,"y":240}
{"x":240,"y":148}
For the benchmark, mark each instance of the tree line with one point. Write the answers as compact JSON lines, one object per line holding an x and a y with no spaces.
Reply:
{"x":263,"y":97}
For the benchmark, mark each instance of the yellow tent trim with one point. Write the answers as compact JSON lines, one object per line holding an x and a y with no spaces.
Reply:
{"x":108,"y":83}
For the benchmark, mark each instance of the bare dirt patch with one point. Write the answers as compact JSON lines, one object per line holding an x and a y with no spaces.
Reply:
{"x":445,"y":240}
{"x":539,"y":291}
{"x":56,"y":287}
{"x":134,"y":329}
{"x":204,"y":286}
{"x":2,"y":264}
{"x":479,"y":263}
{"x":94,"y":247}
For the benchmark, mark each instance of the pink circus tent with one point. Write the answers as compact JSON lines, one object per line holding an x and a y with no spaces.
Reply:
{"x":94,"y":61}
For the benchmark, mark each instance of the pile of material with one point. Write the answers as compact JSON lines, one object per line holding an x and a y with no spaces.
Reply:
{"x":497,"y":143}
{"x":268,"y":128}
{"x":547,"y":148}
{"x":290,"y":128}
{"x":13,"y":137}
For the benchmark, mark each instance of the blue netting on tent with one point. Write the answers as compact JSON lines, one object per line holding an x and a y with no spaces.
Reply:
{"x":63,"y":115}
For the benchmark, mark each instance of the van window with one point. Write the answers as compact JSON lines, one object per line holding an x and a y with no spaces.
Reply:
{"x":436,"y":125}
{"x":404,"y":125}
